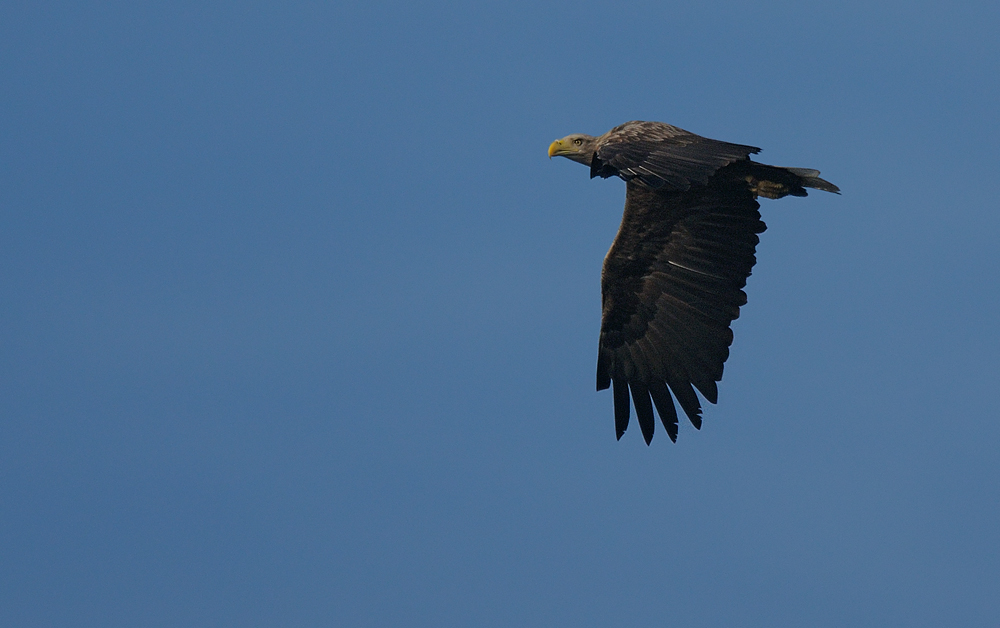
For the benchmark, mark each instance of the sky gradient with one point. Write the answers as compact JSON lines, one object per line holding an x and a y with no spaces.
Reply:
{"x":299,"y":323}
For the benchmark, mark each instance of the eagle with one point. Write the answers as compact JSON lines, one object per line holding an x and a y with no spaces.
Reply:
{"x":672,"y":282}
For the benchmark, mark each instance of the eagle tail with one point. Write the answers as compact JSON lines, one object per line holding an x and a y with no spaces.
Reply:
{"x":810,"y":179}
{"x":778,"y":181}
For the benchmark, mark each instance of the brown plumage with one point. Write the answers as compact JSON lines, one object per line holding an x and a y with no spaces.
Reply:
{"x":673,"y":280}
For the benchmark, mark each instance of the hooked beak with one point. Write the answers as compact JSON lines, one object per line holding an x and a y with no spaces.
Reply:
{"x":554,"y":148}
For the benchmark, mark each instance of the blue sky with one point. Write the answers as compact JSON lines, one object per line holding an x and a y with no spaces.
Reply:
{"x":300,"y":323}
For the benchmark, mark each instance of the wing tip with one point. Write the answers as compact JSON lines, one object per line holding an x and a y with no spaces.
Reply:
{"x":603,"y":374}
{"x":621,"y":407}
{"x":643,"y":410}
{"x":710,"y":390}
{"x":665,"y":407}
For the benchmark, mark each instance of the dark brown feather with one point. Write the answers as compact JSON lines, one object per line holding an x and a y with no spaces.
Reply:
{"x":643,"y":410}
{"x":665,"y":407}
{"x":663,"y":156}
{"x":621,"y":407}
{"x":672,"y":284}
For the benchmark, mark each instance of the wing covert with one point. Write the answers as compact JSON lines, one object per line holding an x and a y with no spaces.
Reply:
{"x":663,"y":156}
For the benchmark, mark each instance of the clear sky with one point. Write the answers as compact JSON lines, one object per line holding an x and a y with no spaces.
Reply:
{"x":299,"y":323}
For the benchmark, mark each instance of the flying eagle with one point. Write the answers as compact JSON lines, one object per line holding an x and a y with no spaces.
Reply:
{"x":673,"y":280}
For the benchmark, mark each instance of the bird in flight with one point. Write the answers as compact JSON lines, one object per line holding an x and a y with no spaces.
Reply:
{"x":673,"y":279}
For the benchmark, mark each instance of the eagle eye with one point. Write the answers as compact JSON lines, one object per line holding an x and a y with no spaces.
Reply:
{"x":578,"y":141}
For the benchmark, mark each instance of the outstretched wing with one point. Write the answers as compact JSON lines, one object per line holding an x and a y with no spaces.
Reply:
{"x":663,"y":156}
{"x":671,"y":285}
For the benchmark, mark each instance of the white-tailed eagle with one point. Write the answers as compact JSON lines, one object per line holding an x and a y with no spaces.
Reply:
{"x":673,"y":280}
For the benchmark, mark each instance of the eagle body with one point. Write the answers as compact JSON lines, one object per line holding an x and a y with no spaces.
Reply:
{"x":672,"y":282}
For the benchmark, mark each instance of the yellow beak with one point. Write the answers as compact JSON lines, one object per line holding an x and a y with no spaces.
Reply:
{"x":554,"y":148}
